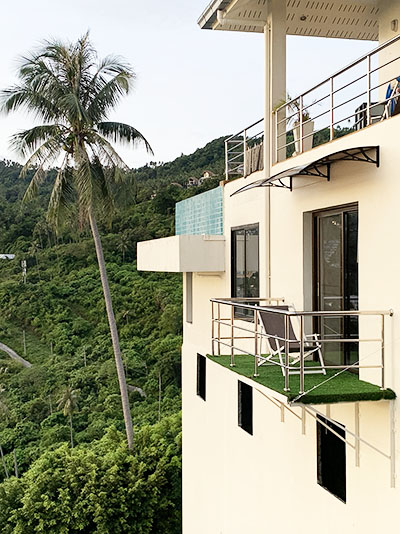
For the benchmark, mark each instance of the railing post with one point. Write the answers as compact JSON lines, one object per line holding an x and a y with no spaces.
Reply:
{"x":226,"y":161}
{"x":301,"y":391}
{"x":244,"y":153}
{"x":212,"y":328}
{"x":232,"y":335}
{"x":383,"y":351}
{"x":219,"y":328}
{"x":276,"y":152}
{"x":286,"y":388}
{"x":331,"y":130}
{"x":301,"y":123}
{"x":256,"y":343}
{"x":368,"y":90}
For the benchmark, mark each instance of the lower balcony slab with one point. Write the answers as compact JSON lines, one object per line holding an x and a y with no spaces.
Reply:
{"x":319,"y":388}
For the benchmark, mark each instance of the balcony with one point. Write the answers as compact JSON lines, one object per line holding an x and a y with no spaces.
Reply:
{"x":245,"y":346}
{"x":199,"y":244}
{"x":359,"y":95}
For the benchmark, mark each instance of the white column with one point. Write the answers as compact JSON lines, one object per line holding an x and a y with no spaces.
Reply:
{"x":275,"y":91}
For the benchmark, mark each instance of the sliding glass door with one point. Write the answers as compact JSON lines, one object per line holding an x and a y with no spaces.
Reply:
{"x":336,"y":277}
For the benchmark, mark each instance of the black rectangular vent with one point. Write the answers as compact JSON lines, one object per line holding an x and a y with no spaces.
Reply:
{"x":245,"y":407}
{"x":201,"y":376}
{"x":331,"y":458}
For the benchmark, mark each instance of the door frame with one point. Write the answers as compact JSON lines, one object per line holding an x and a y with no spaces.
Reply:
{"x":334,"y":210}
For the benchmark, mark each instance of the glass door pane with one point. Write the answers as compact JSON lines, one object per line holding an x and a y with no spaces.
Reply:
{"x":252,"y":276}
{"x":351,"y":283}
{"x":239,"y":264}
{"x":330,"y":267}
{"x":336,"y":257}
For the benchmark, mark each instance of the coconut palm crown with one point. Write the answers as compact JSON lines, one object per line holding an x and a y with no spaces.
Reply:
{"x":65,"y":86}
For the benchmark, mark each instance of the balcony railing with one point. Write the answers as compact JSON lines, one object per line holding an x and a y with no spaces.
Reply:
{"x":244,"y":151}
{"x":232,"y":336}
{"x":364,"y":92}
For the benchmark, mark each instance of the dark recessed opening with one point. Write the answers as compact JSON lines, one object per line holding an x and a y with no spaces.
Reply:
{"x":331,"y":458}
{"x":201,"y":376}
{"x":245,"y":407}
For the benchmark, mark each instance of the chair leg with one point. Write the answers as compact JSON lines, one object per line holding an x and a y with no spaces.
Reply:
{"x":321,"y":359}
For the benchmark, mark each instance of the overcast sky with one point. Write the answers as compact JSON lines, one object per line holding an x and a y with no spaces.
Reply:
{"x":192,"y":85}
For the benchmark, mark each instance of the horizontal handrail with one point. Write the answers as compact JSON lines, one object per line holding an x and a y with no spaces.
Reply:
{"x":239,"y":303}
{"x":225,"y":327}
{"x":344,"y":69}
{"x":336,"y":96}
{"x":240,"y":159}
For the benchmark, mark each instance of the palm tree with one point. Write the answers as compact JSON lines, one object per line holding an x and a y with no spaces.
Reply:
{"x":33,"y":251}
{"x":68,"y":403}
{"x":73,"y":93}
{"x":123,"y":244}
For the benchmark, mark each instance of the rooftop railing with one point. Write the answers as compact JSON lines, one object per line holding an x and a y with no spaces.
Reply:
{"x":244,"y":151}
{"x":233,"y":336}
{"x":364,"y":92}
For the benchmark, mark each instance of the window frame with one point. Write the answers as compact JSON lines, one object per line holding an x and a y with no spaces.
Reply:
{"x":245,"y":228}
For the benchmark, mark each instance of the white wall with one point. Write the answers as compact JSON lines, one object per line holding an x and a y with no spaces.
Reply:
{"x":265,"y":483}
{"x":235,"y":483}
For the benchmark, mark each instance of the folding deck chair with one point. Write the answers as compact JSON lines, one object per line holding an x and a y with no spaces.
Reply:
{"x":274,"y":326}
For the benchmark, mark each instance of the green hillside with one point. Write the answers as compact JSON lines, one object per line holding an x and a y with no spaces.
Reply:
{"x":97,"y":486}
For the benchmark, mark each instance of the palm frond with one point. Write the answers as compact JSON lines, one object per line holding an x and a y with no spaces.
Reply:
{"x":106,"y":152}
{"x":109,"y":95}
{"x":62,"y":196}
{"x":83,"y":178}
{"x":33,"y":101}
{"x":28,"y":141}
{"x":45,"y":154}
{"x":123,"y":133}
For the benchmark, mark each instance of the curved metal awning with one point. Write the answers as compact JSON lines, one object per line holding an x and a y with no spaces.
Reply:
{"x":320,"y":168}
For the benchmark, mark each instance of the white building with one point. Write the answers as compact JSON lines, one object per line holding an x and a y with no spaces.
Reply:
{"x":310,"y":224}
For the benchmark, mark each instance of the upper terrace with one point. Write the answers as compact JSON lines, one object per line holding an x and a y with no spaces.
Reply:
{"x":357,"y":96}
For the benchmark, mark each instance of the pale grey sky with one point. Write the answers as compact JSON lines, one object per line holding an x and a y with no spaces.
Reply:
{"x":192,"y":85}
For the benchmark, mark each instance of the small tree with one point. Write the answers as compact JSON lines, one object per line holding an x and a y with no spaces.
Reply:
{"x":68,"y":403}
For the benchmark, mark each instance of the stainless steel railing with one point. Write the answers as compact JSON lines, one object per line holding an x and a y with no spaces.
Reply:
{"x":349,"y":100}
{"x":230,"y":331}
{"x":244,"y":151}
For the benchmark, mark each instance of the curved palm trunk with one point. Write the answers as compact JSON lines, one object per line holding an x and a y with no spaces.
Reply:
{"x":114,"y":332}
{"x":71,"y":431}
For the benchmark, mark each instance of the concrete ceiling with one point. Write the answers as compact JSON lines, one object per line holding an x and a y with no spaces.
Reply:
{"x":320,"y":18}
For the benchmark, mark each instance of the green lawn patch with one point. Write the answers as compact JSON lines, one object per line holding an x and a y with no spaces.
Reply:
{"x":346,"y":387}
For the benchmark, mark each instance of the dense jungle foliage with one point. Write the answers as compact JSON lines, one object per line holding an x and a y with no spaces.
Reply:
{"x":71,"y":391}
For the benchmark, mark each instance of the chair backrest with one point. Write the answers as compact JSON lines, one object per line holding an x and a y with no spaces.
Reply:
{"x":274,"y":325}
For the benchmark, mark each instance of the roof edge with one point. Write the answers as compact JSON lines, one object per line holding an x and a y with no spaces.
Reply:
{"x":209,"y":15}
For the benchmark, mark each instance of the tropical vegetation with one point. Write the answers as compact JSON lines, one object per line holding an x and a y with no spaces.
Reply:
{"x":97,"y":486}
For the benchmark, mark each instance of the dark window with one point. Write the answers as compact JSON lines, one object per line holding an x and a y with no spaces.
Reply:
{"x":245,"y":263}
{"x":331,"y":458}
{"x":245,"y":406}
{"x":201,"y":376}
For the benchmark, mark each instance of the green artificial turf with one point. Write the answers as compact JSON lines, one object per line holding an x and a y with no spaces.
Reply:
{"x":346,"y":387}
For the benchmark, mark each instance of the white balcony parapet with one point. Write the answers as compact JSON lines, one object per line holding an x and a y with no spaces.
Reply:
{"x":182,"y":253}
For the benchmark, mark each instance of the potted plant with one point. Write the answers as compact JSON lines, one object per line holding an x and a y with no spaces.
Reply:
{"x":293,"y":124}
